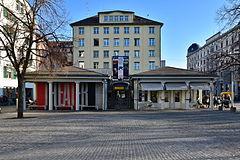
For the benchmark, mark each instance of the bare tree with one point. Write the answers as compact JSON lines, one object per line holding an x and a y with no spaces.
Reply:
{"x":229,"y":14}
{"x":18,"y":35}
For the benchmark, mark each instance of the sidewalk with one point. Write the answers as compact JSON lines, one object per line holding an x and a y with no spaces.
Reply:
{"x":8,"y":109}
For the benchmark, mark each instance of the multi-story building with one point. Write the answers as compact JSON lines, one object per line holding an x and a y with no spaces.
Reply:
{"x":117,"y":33}
{"x":8,"y":80}
{"x":219,"y":55}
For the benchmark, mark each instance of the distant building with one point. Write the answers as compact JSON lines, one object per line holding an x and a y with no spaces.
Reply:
{"x":117,"y":33}
{"x":204,"y":58}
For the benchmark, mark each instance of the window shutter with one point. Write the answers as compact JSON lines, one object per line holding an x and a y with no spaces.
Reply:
{"x":4,"y":72}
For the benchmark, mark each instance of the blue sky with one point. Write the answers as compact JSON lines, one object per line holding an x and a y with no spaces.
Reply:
{"x":185,"y":21}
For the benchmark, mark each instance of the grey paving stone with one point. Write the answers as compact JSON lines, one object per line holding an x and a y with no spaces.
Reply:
{"x":165,"y":135}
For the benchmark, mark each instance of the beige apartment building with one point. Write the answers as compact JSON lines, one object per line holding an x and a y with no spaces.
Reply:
{"x":117,"y":33}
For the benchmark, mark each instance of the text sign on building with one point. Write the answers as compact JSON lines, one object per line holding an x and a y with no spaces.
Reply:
{"x":120,"y":67}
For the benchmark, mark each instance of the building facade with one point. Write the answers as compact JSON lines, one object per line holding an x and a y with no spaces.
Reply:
{"x":117,"y":33}
{"x":219,"y":55}
{"x":8,"y":80}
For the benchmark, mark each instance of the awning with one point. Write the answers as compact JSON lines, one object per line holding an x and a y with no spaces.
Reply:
{"x":176,"y":86}
{"x":151,"y":86}
{"x":196,"y":86}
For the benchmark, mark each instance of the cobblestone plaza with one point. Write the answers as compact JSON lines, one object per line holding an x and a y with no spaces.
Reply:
{"x":149,"y":135}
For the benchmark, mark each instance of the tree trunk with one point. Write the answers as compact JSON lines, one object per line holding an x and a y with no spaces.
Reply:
{"x":20,"y":97}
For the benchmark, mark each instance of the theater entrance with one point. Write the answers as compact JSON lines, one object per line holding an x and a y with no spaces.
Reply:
{"x":120,"y":96}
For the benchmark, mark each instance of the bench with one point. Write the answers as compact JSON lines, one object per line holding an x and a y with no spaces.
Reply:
{"x":37,"y":107}
{"x":82,"y":106}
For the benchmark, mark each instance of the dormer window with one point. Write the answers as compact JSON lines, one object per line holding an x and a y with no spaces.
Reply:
{"x":116,"y":18}
{"x":121,"y":18}
{"x":126,"y":18}
{"x":110,"y":18}
{"x":105,"y":18}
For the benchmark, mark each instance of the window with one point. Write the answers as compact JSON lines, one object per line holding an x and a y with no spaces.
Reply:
{"x":136,"y":30}
{"x":116,"y":30}
{"x":95,"y":54}
{"x":226,"y":42}
{"x":106,"y":30}
{"x":121,"y":18}
{"x":126,"y":30}
{"x":151,"y":53}
{"x":110,"y":18}
{"x":106,"y":65}
{"x":105,"y":42}
{"x":136,"y":41}
{"x":177,"y":96}
{"x":9,"y":72}
{"x":126,"y":53}
{"x":81,"y":64}
{"x":136,"y":65}
{"x":95,"y":30}
{"x":106,"y":54}
{"x":136,"y":53}
{"x":95,"y":65}
{"x":81,"y":30}
{"x":116,"y":53}
{"x":126,"y":42}
{"x":115,"y":18}
{"x":151,"y":65}
{"x":151,"y":42}
{"x":116,"y":42}
{"x":167,"y":96}
{"x":105,"y":18}
{"x":96,"y":42}
{"x":81,"y":42}
{"x":126,"y":18}
{"x":151,"y":30}
{"x":81,"y":53}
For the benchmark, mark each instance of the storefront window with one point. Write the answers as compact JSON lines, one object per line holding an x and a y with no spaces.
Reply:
{"x":166,"y":96}
{"x":154,"y":96}
{"x":177,"y":96}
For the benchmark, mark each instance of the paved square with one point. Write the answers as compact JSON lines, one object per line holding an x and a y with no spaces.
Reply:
{"x":159,"y":135}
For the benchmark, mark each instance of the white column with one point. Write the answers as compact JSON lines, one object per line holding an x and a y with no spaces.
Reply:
{"x":136,"y":95}
{"x":55,"y":94}
{"x":104,"y":95}
{"x":187,"y":99}
{"x":24,"y":96}
{"x":211,"y":95}
{"x":35,"y":92}
{"x":200,"y":95}
{"x":50,"y":96}
{"x":77,"y":96}
{"x":163,"y":96}
{"x":158,"y":97}
{"x":149,"y":95}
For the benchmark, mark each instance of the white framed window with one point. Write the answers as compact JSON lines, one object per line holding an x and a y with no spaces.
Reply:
{"x":126,"y":53}
{"x":116,"y":30}
{"x":136,"y":66}
{"x":126,"y":41}
{"x":121,"y":18}
{"x":151,"y":53}
{"x":116,"y":53}
{"x":81,"y":42}
{"x":116,"y":42}
{"x":136,"y":41}
{"x":151,"y":30}
{"x":95,"y":65}
{"x":105,"y":18}
{"x":106,"y":30}
{"x":136,"y":30}
{"x":110,"y":18}
{"x":81,"y":64}
{"x":106,"y":42}
{"x":81,"y":30}
{"x":106,"y":65}
{"x":81,"y":53}
{"x":95,"y":30}
{"x":151,"y":41}
{"x":105,"y":54}
{"x":126,"y":18}
{"x":136,"y":53}
{"x":95,"y":54}
{"x":151,"y":65}
{"x":126,"y":30}
{"x":116,"y":18}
